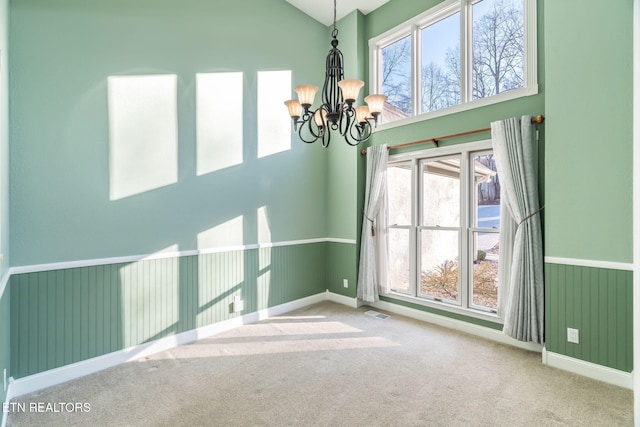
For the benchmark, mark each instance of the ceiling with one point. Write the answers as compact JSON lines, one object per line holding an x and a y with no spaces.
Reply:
{"x":322,"y":10}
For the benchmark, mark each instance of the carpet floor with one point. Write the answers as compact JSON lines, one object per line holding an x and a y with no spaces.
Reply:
{"x":330,"y":365}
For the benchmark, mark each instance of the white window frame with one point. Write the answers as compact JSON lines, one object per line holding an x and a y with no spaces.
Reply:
{"x":413,"y":27}
{"x":466,"y":229}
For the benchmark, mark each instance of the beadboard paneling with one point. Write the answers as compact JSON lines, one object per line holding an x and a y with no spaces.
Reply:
{"x":4,"y":341}
{"x":599,"y":303}
{"x":65,"y":316}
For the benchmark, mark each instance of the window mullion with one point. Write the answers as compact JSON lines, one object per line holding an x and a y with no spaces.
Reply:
{"x":414,"y":241}
{"x":416,"y":81}
{"x":464,"y":269}
{"x":466,"y":54}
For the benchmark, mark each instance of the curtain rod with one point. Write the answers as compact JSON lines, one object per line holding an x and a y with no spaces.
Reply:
{"x":534,"y":120}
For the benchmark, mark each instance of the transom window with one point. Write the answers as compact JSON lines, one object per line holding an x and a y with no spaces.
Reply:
{"x":444,"y":228}
{"x":455,"y":56}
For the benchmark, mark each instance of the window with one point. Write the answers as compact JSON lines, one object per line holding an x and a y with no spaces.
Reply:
{"x":457,"y":55}
{"x":444,"y":228}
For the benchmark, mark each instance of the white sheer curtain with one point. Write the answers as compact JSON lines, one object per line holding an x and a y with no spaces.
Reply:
{"x":372,"y":273}
{"x":516,"y":152}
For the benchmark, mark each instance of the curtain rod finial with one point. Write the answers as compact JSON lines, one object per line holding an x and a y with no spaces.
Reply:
{"x":538,"y":119}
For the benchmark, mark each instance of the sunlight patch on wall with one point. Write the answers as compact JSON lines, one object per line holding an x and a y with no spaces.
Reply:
{"x":219,"y":121}
{"x":227,"y":234}
{"x":264,"y":258}
{"x":143,"y":133}
{"x":169,"y":250}
{"x":274,"y":127}
{"x":264,"y":227}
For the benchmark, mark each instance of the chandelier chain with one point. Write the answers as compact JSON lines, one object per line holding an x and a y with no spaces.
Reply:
{"x":335,"y":6}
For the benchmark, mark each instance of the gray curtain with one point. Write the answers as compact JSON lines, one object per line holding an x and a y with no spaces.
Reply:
{"x":516,"y":152}
{"x":372,"y":273}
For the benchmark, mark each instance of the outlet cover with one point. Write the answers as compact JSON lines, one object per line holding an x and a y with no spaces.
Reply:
{"x":238,"y":304}
{"x":345,"y":283}
{"x":573,"y":335}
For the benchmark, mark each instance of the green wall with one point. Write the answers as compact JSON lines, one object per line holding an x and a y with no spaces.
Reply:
{"x":342,"y":189}
{"x":4,"y":196}
{"x":5,"y":340}
{"x":341,"y":157}
{"x":60,"y":197}
{"x":589,"y":130}
{"x":65,"y":316}
{"x":342,"y":262}
{"x":588,"y":160}
{"x":60,"y":205}
{"x":599,"y":303}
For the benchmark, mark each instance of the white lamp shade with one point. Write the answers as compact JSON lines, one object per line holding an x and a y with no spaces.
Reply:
{"x":306,"y":94}
{"x":362,"y":113}
{"x":350,"y":88}
{"x":295,"y":109}
{"x":320,"y":117}
{"x":375,"y":102}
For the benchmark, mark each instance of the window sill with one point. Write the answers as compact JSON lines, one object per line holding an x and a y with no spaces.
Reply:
{"x":468,"y":312}
{"x":502,"y":97}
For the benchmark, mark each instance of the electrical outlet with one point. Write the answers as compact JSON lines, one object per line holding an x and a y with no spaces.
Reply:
{"x":573,"y":335}
{"x":238,"y":304}
{"x":345,"y":283}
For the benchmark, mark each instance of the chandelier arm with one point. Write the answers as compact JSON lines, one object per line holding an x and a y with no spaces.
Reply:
{"x":327,"y":140}
{"x":308,"y":123}
{"x":363,"y":133}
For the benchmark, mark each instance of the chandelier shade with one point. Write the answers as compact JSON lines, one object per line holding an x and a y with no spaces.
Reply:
{"x":337,"y":112}
{"x":350,"y":89}
{"x":306,"y":94}
{"x":295,"y":109}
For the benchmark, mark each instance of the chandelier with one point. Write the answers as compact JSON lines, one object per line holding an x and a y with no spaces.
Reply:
{"x":337,"y":111}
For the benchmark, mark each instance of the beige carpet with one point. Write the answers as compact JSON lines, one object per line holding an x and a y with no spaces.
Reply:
{"x":329,"y":365}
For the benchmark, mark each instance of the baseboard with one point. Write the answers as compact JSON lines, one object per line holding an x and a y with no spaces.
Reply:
{"x":70,"y":372}
{"x":342,"y":299}
{"x":458,"y":325}
{"x":588,"y":369}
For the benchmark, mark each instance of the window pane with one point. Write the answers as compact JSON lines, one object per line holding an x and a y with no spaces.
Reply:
{"x":399,"y":190}
{"x":486,"y":245}
{"x":440,"y":78}
{"x":439,"y":265}
{"x":498,"y":47}
{"x":487,"y":192}
{"x":485,"y":269}
{"x":396,"y":80}
{"x":399,"y":260}
{"x":441,"y":192}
